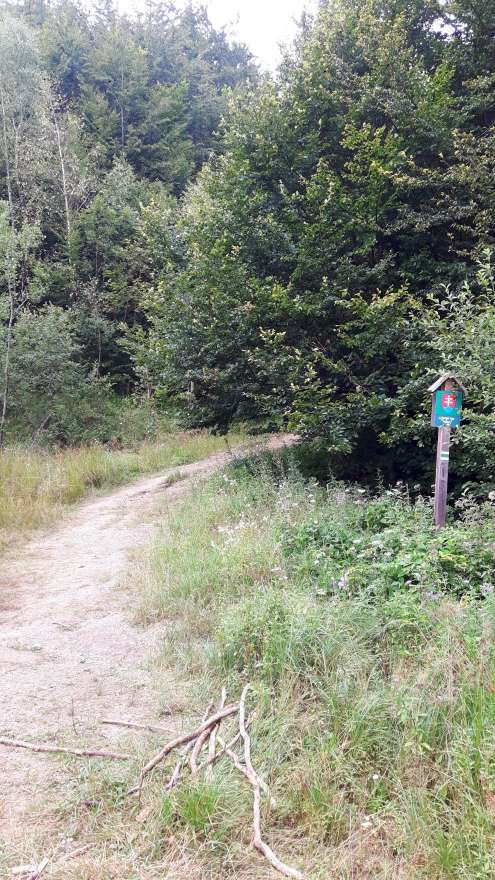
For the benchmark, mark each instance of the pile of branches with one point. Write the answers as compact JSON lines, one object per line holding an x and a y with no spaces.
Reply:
{"x":197,"y":752}
{"x":206,"y":743}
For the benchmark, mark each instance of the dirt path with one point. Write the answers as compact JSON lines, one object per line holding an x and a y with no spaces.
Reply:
{"x":69,"y":654}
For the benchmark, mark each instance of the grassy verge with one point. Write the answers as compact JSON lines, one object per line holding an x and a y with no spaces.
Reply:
{"x":36,"y":484}
{"x":370,"y":643}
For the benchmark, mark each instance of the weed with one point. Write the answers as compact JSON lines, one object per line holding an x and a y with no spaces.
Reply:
{"x":370,"y":638}
{"x":36,"y":484}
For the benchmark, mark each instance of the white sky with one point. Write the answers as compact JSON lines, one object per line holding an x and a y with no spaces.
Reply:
{"x":262,"y":24}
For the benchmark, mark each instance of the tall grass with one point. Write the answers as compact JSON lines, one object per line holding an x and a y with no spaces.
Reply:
{"x":36,"y":484}
{"x":370,"y":640}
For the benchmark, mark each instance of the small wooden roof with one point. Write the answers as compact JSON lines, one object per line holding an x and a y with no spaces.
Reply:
{"x":446,"y":376}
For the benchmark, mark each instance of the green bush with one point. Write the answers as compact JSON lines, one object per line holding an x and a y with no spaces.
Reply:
{"x":356,"y":545}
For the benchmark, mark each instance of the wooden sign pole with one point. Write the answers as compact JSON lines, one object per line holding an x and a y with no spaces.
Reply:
{"x":442,"y":477}
{"x":442,"y":469}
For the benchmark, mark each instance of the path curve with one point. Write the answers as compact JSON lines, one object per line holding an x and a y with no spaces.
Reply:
{"x":69,"y":654}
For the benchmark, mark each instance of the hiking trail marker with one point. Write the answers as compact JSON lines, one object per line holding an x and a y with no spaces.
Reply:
{"x":447,"y":396}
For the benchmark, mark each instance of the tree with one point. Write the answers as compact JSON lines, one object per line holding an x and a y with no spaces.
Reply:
{"x":54,"y":396}
{"x":17,"y":246}
{"x":345,"y":198}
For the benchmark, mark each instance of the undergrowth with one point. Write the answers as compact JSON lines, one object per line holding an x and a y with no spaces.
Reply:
{"x":369,"y":639}
{"x":36,"y":483}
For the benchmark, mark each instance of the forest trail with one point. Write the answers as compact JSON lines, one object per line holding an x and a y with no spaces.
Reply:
{"x":69,"y":653}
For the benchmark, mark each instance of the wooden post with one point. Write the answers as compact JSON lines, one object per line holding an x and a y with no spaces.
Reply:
{"x":442,"y":467}
{"x":446,"y":413}
{"x":442,"y":477}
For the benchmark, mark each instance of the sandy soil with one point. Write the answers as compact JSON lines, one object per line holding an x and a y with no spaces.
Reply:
{"x":69,"y":653}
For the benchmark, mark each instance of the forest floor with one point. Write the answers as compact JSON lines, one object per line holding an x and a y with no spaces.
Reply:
{"x":69,"y":653}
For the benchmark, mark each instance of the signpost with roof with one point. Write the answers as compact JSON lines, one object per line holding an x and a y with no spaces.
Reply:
{"x":447,"y":398}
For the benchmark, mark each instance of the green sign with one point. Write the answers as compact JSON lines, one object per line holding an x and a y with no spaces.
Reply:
{"x":447,"y":409}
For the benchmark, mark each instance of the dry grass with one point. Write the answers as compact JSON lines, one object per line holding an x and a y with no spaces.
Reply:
{"x":36,"y":485}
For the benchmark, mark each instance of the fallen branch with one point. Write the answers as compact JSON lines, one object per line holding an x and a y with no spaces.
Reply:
{"x":39,"y":870}
{"x":80,"y":851}
{"x":180,"y":741}
{"x":79,"y":753}
{"x":32,"y":872}
{"x":256,"y":784}
{"x":180,"y":763}
{"x":207,"y":764}
{"x":196,"y":749}
{"x":212,"y":745}
{"x":227,"y":750}
{"x":153,"y":728}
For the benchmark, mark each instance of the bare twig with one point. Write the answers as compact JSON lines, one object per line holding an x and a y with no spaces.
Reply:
{"x":32,"y":872}
{"x":180,"y":763}
{"x":153,"y":728}
{"x":80,"y":851}
{"x":196,"y":749}
{"x":79,"y":753}
{"x":39,"y":870}
{"x":172,"y":782}
{"x":213,"y":735}
{"x":208,"y":763}
{"x":182,"y":740}
{"x":255,"y":782}
{"x":227,"y":750}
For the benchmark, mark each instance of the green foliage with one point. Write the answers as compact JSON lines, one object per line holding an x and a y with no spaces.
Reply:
{"x":374,"y":701}
{"x":100,"y":117}
{"x":47,"y":376}
{"x":457,"y":329}
{"x":306,"y":250}
{"x":349,"y":198}
{"x":374,"y":548}
{"x":148,"y":89}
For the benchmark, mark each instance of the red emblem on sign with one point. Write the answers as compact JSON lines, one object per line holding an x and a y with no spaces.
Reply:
{"x":449,"y":401}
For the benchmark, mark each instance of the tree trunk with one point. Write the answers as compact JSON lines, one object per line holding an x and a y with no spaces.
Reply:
{"x":7,"y":158}
{"x":64,"y":178}
{"x":6,"y":372}
{"x":6,"y":369}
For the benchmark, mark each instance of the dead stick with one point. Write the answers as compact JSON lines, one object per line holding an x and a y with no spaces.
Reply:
{"x":178,"y":767}
{"x":80,"y":851}
{"x":255,"y":782}
{"x":211,"y":760}
{"x":212,"y":745}
{"x":182,"y":740}
{"x":39,"y":870}
{"x":80,"y":753}
{"x":243,"y":769}
{"x":151,"y":727}
{"x":196,"y":750}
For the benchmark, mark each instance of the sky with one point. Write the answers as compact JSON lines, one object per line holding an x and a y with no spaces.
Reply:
{"x":262,"y":24}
